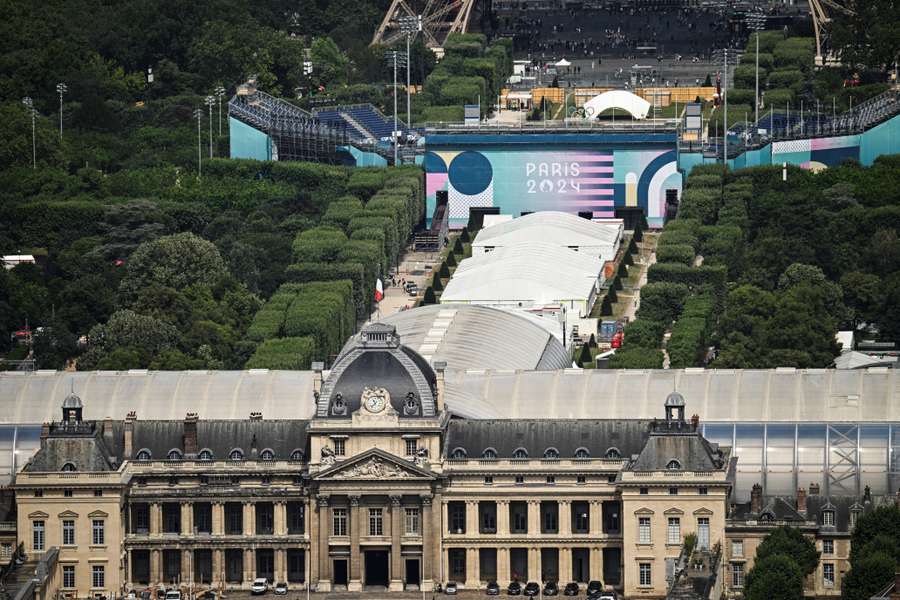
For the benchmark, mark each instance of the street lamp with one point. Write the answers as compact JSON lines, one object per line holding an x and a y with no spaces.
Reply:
{"x":29,"y":108}
{"x":210,"y":102}
{"x":61,"y":88}
{"x":220,"y":93}
{"x":410,"y":25}
{"x":395,"y":57}
{"x":198,"y":113}
{"x":756,"y":22}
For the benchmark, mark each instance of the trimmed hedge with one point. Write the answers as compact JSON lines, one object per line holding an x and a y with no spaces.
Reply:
{"x":636,"y":358}
{"x":714,"y":276}
{"x":677,"y":253}
{"x":690,"y":333}
{"x":677,"y":237}
{"x":283,"y":353}
{"x":332,"y":271}
{"x":662,"y":301}
{"x":644,"y":333}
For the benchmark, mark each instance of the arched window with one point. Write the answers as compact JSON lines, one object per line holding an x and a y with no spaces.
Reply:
{"x":268,"y":455}
{"x":143,"y":454}
{"x":297,"y":454}
{"x":458,"y":454}
{"x":236,"y":454}
{"x":551,"y":454}
{"x":582,"y":453}
{"x":520,"y":453}
{"x":673,"y":465}
{"x":174,"y":454}
{"x":613,"y":454}
{"x":69,"y":467}
{"x":489,"y":454}
{"x":205,"y":454}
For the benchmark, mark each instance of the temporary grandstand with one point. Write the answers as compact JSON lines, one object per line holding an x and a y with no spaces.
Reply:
{"x":363,"y":122}
{"x":600,"y":239}
{"x":293,"y":133}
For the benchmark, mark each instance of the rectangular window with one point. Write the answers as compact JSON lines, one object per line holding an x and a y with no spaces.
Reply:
{"x":703,"y":533}
{"x":644,"y":491}
{"x":673,"y":491}
{"x":98,"y":493}
{"x":68,"y":576}
{"x":98,"y":532}
{"x":828,"y":518}
{"x":580,"y":479}
{"x":457,"y":512}
{"x":737,"y":575}
{"x":674,"y":531}
{"x":827,"y":546}
{"x":339,"y":447}
{"x":339,"y":521}
{"x":702,"y":490}
{"x":98,"y":576}
{"x":737,"y":548}
{"x":412,"y":521}
{"x":37,"y":536}
{"x":488,"y":480}
{"x":376,"y":523}
{"x":520,"y":479}
{"x":644,"y":574}
{"x":644,"y":530}
{"x":551,"y":479}
{"x":828,"y":574}
{"x":6,"y":550}
{"x":68,"y":533}
{"x":38,"y":493}
{"x":67,"y":493}
{"x":412,"y":446}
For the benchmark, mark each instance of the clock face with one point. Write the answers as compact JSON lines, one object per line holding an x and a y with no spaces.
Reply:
{"x":375,"y":403}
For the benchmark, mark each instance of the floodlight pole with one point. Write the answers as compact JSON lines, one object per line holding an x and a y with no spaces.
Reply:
{"x":725,"y":94}
{"x":61,"y":88}
{"x":199,"y":114}
{"x":756,"y":97}
{"x":220,"y":92}
{"x":29,"y":106}
{"x":210,"y":101}
{"x":408,"y":111}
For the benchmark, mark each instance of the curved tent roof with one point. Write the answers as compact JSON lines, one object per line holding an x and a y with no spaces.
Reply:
{"x":633,"y":104}
{"x":554,"y":227}
{"x":534,"y":250}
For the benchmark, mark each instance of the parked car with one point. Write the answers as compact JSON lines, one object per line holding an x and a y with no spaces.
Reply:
{"x":532,"y":589}
{"x":514,"y":589}
{"x":258,"y":587}
{"x":173,"y":595}
{"x":607,"y":596}
{"x":412,"y":288}
{"x":492,"y":589}
{"x":594,"y":586}
{"x":571,"y":589}
{"x":281,"y":589}
{"x":451,"y":588}
{"x":551,"y":589}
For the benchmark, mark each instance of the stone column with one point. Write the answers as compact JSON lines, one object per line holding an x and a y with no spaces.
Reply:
{"x":155,"y":573}
{"x":249,"y":519}
{"x":280,"y":515}
{"x":218,"y":568}
{"x":397,"y":575}
{"x":280,"y":565}
{"x":187,"y":566}
{"x":503,"y":566}
{"x":218,"y":518}
{"x":534,"y":564}
{"x":155,"y":518}
{"x":355,"y":582}
{"x":324,"y":581}
{"x":565,"y":564}
{"x":565,"y":519}
{"x":437,"y":566}
{"x":503,"y":518}
{"x":534,"y":517}
{"x":249,"y":565}
{"x":445,"y":511}
{"x":428,"y":542}
{"x":596,"y":563}
{"x":596,"y":524}
{"x":471,"y":517}
{"x":187,"y":518}
{"x":473,"y":577}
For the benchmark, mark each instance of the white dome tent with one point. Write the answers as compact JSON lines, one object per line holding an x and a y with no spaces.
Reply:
{"x":636,"y":106}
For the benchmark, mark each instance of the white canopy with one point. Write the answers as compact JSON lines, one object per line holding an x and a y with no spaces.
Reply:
{"x":635,"y":105}
{"x":563,"y":63}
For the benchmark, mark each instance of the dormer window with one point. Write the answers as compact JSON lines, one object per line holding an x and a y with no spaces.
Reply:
{"x":174,"y":454}
{"x":458,"y":454}
{"x":854,"y":516}
{"x":551,"y":454}
{"x":338,"y":407}
{"x":411,"y":405}
{"x":520,"y":453}
{"x":297,"y":455}
{"x":673,"y":465}
{"x":267,"y":455}
{"x":205,"y":454}
{"x":489,"y":454}
{"x":582,"y":453}
{"x":143,"y":454}
{"x":236,"y":454}
{"x":828,"y":518}
{"x":69,"y":467}
{"x":613,"y":454}
{"x":767,"y":517}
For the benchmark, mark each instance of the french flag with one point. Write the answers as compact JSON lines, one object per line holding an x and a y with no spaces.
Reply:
{"x":379,"y":290}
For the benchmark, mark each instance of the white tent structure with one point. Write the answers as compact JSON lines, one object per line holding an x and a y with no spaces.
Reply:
{"x":598,"y":239}
{"x":636,"y":106}
{"x":563,"y":63}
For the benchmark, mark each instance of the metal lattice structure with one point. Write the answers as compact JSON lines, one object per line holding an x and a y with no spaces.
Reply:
{"x":820,"y":11}
{"x":295,"y":133}
{"x":439,"y":19}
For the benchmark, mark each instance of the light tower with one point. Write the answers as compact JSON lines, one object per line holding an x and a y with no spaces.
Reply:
{"x":29,"y":109}
{"x":210,"y":102}
{"x":220,"y":93}
{"x":410,"y":26}
{"x":396,"y":57}
{"x":61,"y":88}
{"x":198,"y":113}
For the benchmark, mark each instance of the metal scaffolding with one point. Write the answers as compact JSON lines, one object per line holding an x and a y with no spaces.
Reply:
{"x":439,"y":18}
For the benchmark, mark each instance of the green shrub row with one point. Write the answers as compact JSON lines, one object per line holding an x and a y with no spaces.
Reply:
{"x":690,"y":333}
{"x":294,"y":353}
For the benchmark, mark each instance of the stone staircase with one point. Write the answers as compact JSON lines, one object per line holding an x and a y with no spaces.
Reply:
{"x":17,"y":578}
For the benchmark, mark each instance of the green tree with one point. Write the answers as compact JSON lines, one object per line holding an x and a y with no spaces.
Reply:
{"x":790,"y":541}
{"x":868,"y":35}
{"x":584,"y":355}
{"x":775,"y":577}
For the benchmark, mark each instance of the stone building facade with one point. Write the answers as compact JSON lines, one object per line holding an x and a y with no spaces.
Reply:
{"x":383,"y":488}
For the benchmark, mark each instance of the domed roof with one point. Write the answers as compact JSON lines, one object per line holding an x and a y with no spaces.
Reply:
{"x":72,"y":401}
{"x":375,"y":360}
{"x":674,"y":399}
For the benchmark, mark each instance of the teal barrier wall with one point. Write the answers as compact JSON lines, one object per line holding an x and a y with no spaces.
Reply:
{"x":247,"y":142}
{"x":365,"y":159}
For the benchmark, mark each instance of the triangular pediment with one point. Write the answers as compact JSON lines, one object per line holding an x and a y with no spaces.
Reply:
{"x":68,"y":514}
{"x":375,"y":465}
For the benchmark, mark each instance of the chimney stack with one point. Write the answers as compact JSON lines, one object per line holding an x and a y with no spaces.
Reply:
{"x":129,"y":434}
{"x":256,"y":416}
{"x":695,"y":421}
{"x":801,"y":501}
{"x":814,"y":489}
{"x":107,"y":431}
{"x":190,"y":435}
{"x":439,"y":367}
{"x":317,"y":368}
{"x":756,"y":499}
{"x":45,"y":431}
